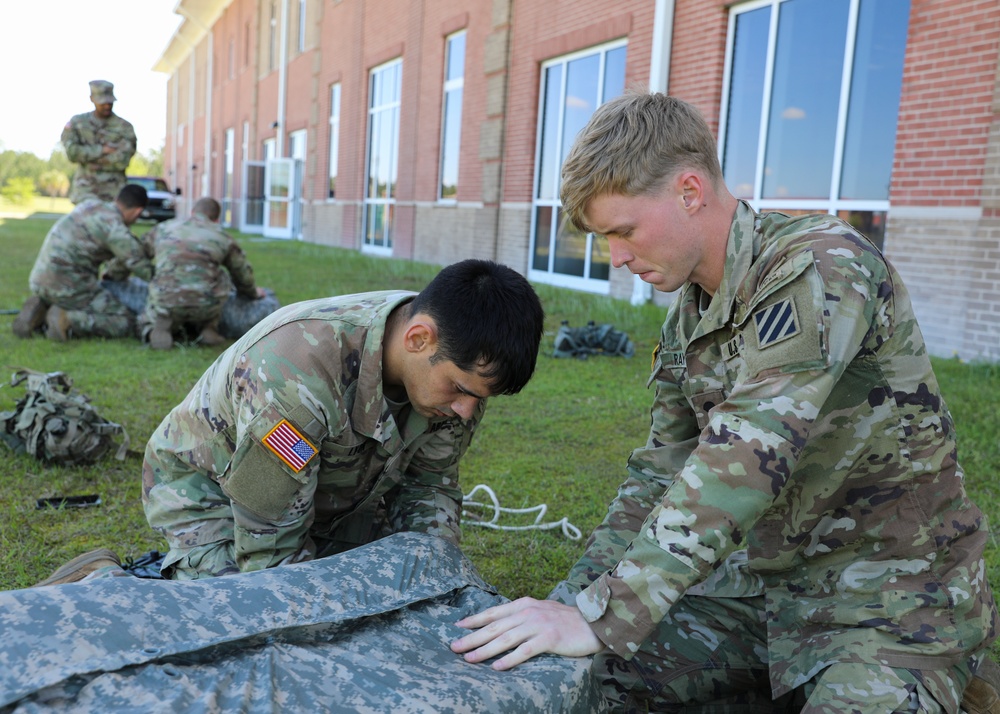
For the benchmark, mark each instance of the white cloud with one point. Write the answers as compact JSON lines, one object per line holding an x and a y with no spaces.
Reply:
{"x":793,"y":113}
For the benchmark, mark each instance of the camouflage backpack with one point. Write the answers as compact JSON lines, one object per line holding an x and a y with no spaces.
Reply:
{"x":55,"y":423}
{"x":581,"y":342}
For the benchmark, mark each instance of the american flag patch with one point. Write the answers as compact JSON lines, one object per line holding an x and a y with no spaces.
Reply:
{"x":776,"y":323}
{"x":290,"y":446}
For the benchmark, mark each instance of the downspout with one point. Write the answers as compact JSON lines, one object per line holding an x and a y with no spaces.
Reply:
{"x":207,"y":173}
{"x":659,"y":76}
{"x":190,"y":125}
{"x":498,"y":222}
{"x":174,"y":115}
{"x":279,"y":137}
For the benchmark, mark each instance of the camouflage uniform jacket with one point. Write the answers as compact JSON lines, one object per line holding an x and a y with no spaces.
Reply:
{"x":190,"y":260}
{"x":70,"y":257}
{"x":98,"y":175}
{"x":797,"y":415}
{"x":288,"y":435}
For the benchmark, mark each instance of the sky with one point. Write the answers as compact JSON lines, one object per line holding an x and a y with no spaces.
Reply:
{"x":51,"y":49}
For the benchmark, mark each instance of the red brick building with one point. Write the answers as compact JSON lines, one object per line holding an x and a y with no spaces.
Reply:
{"x":433,"y":130}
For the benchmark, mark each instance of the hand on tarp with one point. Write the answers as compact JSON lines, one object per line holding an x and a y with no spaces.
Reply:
{"x":524,"y":628}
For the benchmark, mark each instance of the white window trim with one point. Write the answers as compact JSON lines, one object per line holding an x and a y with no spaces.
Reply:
{"x":582,"y":284}
{"x":832,"y":204}
{"x":450,"y":86}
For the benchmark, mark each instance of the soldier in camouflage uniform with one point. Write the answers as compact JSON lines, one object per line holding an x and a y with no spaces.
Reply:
{"x":102,"y":144}
{"x":66,"y":293}
{"x":335,"y":421}
{"x":796,"y":531}
{"x":193,"y":260}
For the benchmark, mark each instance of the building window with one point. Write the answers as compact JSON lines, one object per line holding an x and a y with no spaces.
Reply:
{"x":811,"y":105}
{"x":334,"y":137}
{"x":297,"y":145}
{"x":573,"y":86}
{"x":302,"y":25}
{"x":451,"y":115}
{"x":384,"y":90}
{"x":270,"y":149}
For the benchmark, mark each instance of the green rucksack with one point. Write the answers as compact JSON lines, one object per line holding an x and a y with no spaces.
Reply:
{"x":55,"y":423}
{"x":581,"y":342}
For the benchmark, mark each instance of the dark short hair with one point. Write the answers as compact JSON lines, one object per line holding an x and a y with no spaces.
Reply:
{"x":133,"y":196}
{"x":489,"y":320}
{"x":208,"y":207}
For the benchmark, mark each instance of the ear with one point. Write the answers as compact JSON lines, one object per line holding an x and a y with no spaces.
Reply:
{"x":420,"y":334}
{"x":691,"y":189}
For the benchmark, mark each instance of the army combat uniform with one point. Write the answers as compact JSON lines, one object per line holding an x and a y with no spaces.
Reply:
{"x":799,"y":439}
{"x":66,"y":269}
{"x":98,"y":175}
{"x":287,"y":448}
{"x":193,"y":260}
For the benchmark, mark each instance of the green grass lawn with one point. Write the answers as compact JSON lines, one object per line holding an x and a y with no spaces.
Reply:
{"x":563,"y":441}
{"x":39,"y":205}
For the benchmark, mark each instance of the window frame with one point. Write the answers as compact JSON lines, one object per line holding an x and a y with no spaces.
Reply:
{"x":450,"y":88}
{"x":333,"y":150}
{"x":832,"y":203}
{"x":377,"y":111}
{"x":549,"y":276}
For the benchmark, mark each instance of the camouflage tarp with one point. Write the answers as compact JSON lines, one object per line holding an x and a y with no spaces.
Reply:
{"x":239,"y":314}
{"x":364,"y":631}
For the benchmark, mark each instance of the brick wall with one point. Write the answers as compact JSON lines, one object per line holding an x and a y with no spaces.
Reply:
{"x":943,"y":230}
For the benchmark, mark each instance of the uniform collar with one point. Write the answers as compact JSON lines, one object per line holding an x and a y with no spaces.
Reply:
{"x":742,"y":246}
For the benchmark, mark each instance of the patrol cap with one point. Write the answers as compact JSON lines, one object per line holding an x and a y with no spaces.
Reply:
{"x":102,"y":92}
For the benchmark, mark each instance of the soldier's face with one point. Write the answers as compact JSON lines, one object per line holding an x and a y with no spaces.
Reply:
{"x":440,"y":388}
{"x":103,"y":110}
{"x":652,"y":235}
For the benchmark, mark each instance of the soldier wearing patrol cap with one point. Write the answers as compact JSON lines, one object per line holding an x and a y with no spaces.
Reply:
{"x":795,"y":534}
{"x":102,"y":144}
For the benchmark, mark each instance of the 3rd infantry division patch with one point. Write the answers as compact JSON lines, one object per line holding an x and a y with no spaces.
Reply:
{"x":775,"y":323}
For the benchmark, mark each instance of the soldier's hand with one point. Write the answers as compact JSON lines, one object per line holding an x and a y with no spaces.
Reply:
{"x":525,"y":628}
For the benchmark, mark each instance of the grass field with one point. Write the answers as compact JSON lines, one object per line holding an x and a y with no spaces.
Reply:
{"x":563,"y":441}
{"x":39,"y":205}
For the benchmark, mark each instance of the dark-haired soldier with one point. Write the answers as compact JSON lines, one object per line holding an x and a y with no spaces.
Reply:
{"x":336,"y":421}
{"x":66,"y":294}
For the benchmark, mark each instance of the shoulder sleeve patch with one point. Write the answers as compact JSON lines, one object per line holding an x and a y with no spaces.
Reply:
{"x":776,"y":322}
{"x":270,"y":467}
{"x":289,"y":445}
{"x":785,"y":329}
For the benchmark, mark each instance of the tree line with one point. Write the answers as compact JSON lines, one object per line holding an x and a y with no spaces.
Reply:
{"x":23,"y":175}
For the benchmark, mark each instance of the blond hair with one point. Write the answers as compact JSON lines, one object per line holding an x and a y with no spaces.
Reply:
{"x":632,"y":145}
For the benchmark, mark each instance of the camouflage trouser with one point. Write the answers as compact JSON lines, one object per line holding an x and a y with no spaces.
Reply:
{"x":102,"y":185}
{"x":180,"y":315}
{"x":94,"y":313}
{"x":709,"y":656}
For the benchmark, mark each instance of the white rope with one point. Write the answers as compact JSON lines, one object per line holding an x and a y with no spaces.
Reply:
{"x":475,"y":519}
